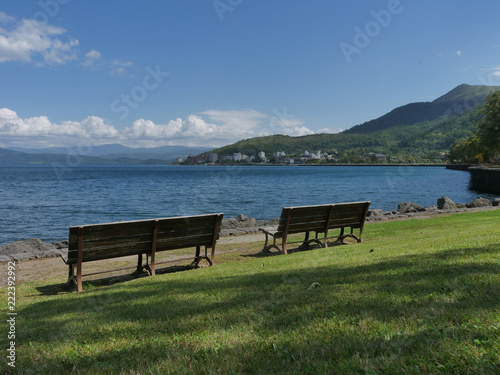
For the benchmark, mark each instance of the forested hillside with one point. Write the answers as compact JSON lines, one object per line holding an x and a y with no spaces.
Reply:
{"x":417,"y":132}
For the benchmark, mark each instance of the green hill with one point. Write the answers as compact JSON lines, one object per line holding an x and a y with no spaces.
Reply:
{"x":414,"y":132}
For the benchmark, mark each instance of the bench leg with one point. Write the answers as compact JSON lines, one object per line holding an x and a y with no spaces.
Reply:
{"x":198,"y":257}
{"x":283,"y":245}
{"x":267,"y":247}
{"x":140,"y":267}
{"x":343,"y":236}
{"x":79,"y":286}
{"x":71,"y":275}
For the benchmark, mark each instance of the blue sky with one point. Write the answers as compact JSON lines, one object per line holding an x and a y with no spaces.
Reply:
{"x":212,"y":72}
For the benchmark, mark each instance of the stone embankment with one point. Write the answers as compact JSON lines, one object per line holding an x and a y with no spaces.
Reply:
{"x":242,"y":225}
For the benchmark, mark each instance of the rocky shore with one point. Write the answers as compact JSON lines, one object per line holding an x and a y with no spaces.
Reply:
{"x":242,"y":225}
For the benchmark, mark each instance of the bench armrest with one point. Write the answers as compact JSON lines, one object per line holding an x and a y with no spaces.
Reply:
{"x":65,"y":259}
{"x":269,"y":230}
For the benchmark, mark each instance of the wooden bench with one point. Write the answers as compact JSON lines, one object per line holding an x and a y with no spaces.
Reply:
{"x":145,"y":237}
{"x":318,"y":219}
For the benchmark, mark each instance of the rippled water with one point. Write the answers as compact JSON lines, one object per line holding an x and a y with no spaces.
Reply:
{"x":41,"y":202}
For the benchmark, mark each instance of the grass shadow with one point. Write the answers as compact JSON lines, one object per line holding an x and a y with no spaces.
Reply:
{"x":440,"y":296}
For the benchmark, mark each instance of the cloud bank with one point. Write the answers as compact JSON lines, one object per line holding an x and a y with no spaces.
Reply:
{"x":211,"y":128}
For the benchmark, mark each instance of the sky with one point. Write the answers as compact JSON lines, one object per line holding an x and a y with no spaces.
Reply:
{"x":212,"y":72}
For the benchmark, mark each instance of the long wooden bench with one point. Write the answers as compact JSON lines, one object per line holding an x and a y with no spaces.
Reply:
{"x":318,"y":220}
{"x":144,"y":237}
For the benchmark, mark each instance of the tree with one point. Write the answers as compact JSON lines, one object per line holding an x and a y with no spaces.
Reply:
{"x":467,"y":150}
{"x":489,"y":125}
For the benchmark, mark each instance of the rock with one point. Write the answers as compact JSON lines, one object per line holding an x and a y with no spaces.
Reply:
{"x":431,"y":209}
{"x":31,"y":246}
{"x":248,"y":223}
{"x":375,"y":213}
{"x":230,"y":223}
{"x":479,"y":202}
{"x":241,"y":217}
{"x":273,"y":222}
{"x":61,"y":244}
{"x":241,"y":224}
{"x":29,"y":249}
{"x":445,"y":203}
{"x":496,"y":202}
{"x":409,"y":207}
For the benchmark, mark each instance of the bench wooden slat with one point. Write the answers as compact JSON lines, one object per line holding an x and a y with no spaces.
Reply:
{"x":112,"y":230}
{"x":130,"y":248}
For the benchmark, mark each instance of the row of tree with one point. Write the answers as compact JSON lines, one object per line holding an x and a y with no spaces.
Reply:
{"x":484,"y":144}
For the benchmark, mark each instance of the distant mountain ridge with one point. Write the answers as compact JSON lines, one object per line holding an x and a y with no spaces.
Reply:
{"x":459,"y":100}
{"x":114,"y":151}
{"x":112,"y":154}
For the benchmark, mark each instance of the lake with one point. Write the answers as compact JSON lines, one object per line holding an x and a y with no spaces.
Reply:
{"x":42,"y":201}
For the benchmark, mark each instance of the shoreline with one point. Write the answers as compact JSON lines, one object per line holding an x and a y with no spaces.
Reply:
{"x":41,"y":266}
{"x":245,"y":231}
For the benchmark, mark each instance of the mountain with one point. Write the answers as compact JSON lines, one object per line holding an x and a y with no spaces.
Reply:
{"x":459,"y":100}
{"x":115,"y":151}
{"x":11,"y":157}
{"x":414,"y":132}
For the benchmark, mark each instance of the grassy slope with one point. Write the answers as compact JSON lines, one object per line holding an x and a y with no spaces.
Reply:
{"x":419,"y":296}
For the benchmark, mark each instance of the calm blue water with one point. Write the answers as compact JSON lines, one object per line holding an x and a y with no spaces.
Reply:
{"x":42,"y":202}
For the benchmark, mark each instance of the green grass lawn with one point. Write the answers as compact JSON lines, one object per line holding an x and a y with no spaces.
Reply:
{"x":416,"y":297}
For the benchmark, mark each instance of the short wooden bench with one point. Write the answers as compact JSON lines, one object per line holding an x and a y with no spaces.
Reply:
{"x":319,"y":220}
{"x":144,"y":237}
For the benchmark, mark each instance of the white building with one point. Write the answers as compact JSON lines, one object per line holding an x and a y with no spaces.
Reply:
{"x":262,"y":156}
{"x":237,"y":156}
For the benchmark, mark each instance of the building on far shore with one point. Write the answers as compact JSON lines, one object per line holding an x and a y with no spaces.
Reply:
{"x":212,"y":157}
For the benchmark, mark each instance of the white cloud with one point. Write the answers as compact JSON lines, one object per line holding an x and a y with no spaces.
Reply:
{"x":459,"y":53}
{"x":329,"y":130}
{"x":93,"y":54}
{"x":93,"y":60}
{"x":35,"y":131}
{"x":212,"y":128}
{"x":496,"y":71}
{"x":32,"y":41}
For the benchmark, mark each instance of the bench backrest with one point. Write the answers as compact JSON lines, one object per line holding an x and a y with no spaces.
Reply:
{"x":304,"y":218}
{"x":111,"y":240}
{"x":348,"y":215}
